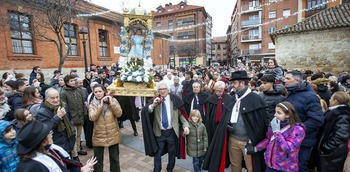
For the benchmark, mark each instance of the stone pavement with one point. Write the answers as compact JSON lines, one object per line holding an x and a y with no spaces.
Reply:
{"x":131,"y":154}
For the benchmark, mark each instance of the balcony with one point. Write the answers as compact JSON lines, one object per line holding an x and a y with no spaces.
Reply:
{"x":250,"y":38}
{"x":251,"y":51}
{"x":247,"y":23}
{"x":250,"y":9}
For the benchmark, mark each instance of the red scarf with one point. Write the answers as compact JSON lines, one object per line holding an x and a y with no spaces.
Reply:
{"x":218,"y":110}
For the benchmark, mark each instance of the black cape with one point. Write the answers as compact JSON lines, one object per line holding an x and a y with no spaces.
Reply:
{"x":210,"y":116}
{"x":149,"y":139}
{"x":202,"y":97}
{"x":256,"y":122}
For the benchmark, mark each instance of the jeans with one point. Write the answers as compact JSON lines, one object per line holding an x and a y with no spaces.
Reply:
{"x":113,"y":158}
{"x":304,"y":154}
{"x":197,"y":163}
{"x":167,"y":137}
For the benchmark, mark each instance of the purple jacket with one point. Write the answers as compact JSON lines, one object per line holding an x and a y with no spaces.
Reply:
{"x":282,"y":152}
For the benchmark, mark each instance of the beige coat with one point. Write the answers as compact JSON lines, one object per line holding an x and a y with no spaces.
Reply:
{"x":106,"y":129}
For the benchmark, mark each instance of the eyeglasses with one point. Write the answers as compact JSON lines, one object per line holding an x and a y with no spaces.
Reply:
{"x":160,"y":89}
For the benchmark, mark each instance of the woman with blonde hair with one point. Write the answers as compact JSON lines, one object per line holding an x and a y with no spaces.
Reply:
{"x":335,"y":134}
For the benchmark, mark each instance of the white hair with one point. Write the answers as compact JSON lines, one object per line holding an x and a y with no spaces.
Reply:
{"x":162,"y":82}
{"x":219,"y":84}
{"x":196,"y":84}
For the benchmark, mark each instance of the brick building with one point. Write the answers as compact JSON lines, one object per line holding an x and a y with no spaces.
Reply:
{"x":218,"y":50}
{"x":187,"y":25}
{"x":22,"y":46}
{"x":253,"y":20}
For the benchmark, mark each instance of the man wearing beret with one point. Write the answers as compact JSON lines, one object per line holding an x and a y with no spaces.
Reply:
{"x":244,"y":124}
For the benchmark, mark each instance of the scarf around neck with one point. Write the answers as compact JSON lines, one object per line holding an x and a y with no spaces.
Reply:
{"x":64,"y":124}
{"x":237,"y":106}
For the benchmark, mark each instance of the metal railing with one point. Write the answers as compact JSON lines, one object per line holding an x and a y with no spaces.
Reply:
{"x":250,"y":22}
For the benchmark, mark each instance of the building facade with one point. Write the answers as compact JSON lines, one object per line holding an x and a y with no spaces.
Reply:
{"x":253,"y":21}
{"x":188,"y":27}
{"x":27,"y":43}
{"x":219,"y":50}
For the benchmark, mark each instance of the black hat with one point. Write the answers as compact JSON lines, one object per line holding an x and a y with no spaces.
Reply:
{"x":239,"y":75}
{"x":32,"y":134}
{"x":56,"y":71}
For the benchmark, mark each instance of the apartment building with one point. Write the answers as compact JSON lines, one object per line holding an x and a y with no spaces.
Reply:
{"x":253,"y":20}
{"x":188,"y":26}
{"x":218,"y":50}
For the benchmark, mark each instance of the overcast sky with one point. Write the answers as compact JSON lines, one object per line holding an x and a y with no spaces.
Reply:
{"x":220,"y":10}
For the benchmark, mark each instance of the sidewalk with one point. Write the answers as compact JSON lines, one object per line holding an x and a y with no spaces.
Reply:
{"x":132,"y":157}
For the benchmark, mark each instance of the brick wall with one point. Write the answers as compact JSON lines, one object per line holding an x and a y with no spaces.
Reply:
{"x":327,"y":50}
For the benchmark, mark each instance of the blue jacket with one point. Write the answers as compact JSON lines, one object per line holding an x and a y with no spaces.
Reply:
{"x":8,"y":151}
{"x":308,"y":108}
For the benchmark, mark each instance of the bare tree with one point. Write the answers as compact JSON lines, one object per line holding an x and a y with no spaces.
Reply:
{"x":189,"y":50}
{"x":52,"y":19}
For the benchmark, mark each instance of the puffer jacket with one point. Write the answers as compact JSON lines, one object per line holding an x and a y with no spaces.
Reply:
{"x":272,"y":98}
{"x":8,"y":151}
{"x":282,"y":152}
{"x":106,"y":129}
{"x":333,"y":144}
{"x":197,"y":140}
{"x":15,"y":102}
{"x":308,"y":108}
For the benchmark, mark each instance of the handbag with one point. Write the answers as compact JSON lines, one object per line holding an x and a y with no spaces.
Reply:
{"x":72,"y":165}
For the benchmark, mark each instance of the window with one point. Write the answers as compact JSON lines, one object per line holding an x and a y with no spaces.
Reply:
{"x":170,"y":24}
{"x":158,"y":24}
{"x":272,"y":14}
{"x":316,"y":4}
{"x":70,"y":37}
{"x":272,"y":29}
{"x":286,"y":13}
{"x":271,"y":45}
{"x":185,"y":22}
{"x":186,"y":35}
{"x":102,"y":37}
{"x":21,"y":35}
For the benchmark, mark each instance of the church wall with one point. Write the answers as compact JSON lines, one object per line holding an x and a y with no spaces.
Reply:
{"x":328,"y":50}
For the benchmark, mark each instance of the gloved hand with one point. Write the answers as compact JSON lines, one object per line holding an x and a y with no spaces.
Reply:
{"x":275,"y":125}
{"x":249,"y":149}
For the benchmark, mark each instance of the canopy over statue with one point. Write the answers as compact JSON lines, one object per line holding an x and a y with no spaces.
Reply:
{"x":135,"y":60}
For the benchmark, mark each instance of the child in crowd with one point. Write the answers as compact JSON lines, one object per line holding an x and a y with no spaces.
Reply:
{"x":22,"y":116}
{"x":283,"y":140}
{"x":8,"y":143}
{"x":197,"y":140}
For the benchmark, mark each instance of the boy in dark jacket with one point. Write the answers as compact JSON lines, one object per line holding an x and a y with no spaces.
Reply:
{"x":8,"y":143}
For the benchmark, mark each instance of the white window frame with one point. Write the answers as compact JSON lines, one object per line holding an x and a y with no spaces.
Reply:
{"x":286,"y":13}
{"x":272,"y":14}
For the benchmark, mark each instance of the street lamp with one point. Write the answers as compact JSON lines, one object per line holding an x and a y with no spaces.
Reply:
{"x":84,"y":32}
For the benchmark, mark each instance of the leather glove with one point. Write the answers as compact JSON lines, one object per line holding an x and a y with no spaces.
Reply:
{"x":249,"y":149}
{"x":275,"y":125}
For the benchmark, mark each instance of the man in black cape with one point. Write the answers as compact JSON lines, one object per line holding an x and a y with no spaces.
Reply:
{"x":160,"y":138}
{"x":245,"y":122}
{"x":214,"y":105}
{"x":196,"y":100}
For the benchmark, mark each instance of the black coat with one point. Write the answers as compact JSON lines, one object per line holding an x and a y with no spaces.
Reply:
{"x":15,"y":102}
{"x":189,"y":97}
{"x":127,"y":103}
{"x":272,"y":98}
{"x":334,"y":140}
{"x":210,"y":116}
{"x":255,"y":119}
{"x":149,"y":139}
{"x":60,"y":138}
{"x":187,"y":87}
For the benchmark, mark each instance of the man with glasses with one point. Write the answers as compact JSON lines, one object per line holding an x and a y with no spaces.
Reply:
{"x":161,"y":121}
{"x":215,"y":104}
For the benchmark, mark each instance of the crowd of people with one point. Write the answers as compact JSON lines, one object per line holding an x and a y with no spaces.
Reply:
{"x":261,"y":118}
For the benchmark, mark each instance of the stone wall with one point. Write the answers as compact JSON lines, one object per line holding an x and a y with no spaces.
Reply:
{"x":328,"y":50}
